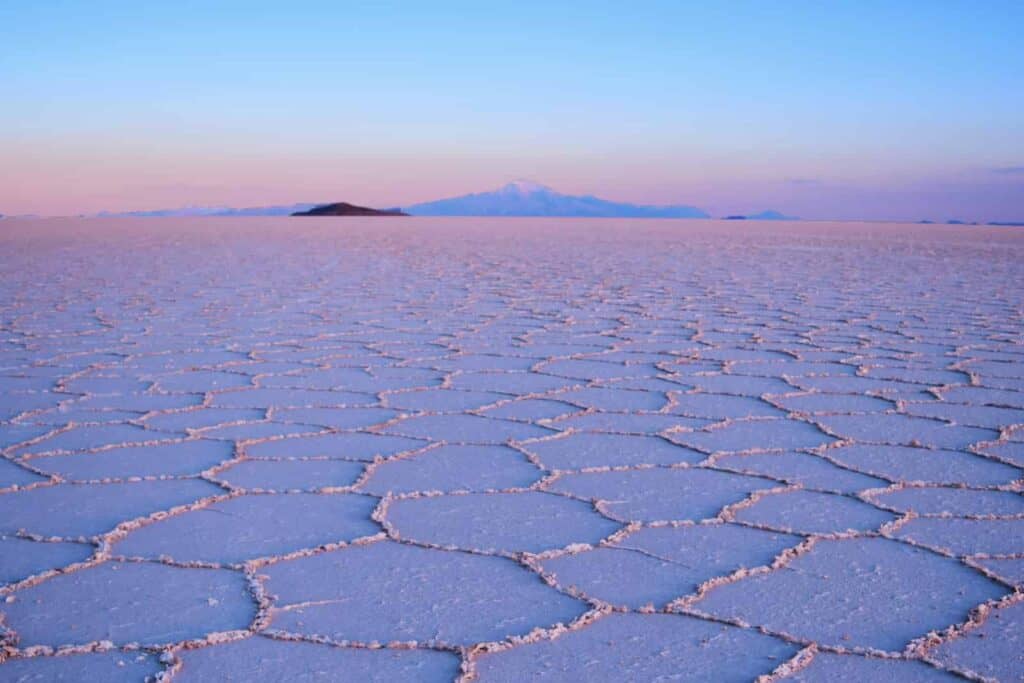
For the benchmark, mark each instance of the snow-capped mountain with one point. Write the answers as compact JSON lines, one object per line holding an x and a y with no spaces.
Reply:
{"x":527,"y":198}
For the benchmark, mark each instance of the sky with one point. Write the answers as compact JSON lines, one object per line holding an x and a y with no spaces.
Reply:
{"x":835,"y":110}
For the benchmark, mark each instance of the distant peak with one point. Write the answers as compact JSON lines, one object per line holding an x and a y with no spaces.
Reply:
{"x":523,"y":186}
{"x":529,"y":198}
{"x":346,"y":209}
{"x":772,"y":215}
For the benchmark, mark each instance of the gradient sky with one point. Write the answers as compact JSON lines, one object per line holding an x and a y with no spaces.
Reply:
{"x":861,"y":109}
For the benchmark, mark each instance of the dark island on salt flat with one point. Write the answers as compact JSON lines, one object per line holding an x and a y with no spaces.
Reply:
{"x":346,"y":209}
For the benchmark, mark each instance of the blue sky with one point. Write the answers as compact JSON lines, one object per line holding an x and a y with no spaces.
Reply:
{"x":882,"y":110}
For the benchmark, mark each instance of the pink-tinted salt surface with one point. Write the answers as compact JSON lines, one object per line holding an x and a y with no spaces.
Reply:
{"x":558,"y":449}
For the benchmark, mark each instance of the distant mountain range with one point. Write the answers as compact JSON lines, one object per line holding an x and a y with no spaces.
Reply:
{"x":526,"y":198}
{"x":518,"y":198}
{"x":762,"y":216}
{"x":283,"y":210}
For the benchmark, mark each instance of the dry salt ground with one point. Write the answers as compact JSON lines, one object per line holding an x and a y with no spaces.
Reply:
{"x":459,"y":449}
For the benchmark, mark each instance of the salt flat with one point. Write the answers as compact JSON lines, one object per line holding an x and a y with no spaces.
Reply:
{"x":495,"y":450}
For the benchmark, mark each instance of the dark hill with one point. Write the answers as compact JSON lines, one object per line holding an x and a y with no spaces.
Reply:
{"x":346,"y":209}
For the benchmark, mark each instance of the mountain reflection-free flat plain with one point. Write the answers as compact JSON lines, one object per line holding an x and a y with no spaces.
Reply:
{"x":510,"y":449}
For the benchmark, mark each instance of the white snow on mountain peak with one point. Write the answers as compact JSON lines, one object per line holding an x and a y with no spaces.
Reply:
{"x":524,"y":187}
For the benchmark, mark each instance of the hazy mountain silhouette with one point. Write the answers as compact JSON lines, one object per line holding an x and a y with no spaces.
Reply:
{"x":518,"y":198}
{"x":770,"y":215}
{"x":526,"y":198}
{"x":284,"y":210}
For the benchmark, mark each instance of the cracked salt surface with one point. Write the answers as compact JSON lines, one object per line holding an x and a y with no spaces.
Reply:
{"x":827,"y":667}
{"x":810,"y":471}
{"x":110,"y":666}
{"x":387,"y":591}
{"x":254,"y":526}
{"x":291,"y":475}
{"x":126,"y":603}
{"x":531,"y":521}
{"x":858,"y":592}
{"x":580,"y":451}
{"x":638,"y":647}
{"x":83,"y":510}
{"x":660,"y":494}
{"x":655,"y":565}
{"x":268,"y":660}
{"x":810,"y":512}
{"x":21,"y":558}
{"x":507,"y":450}
{"x":167,"y":459}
